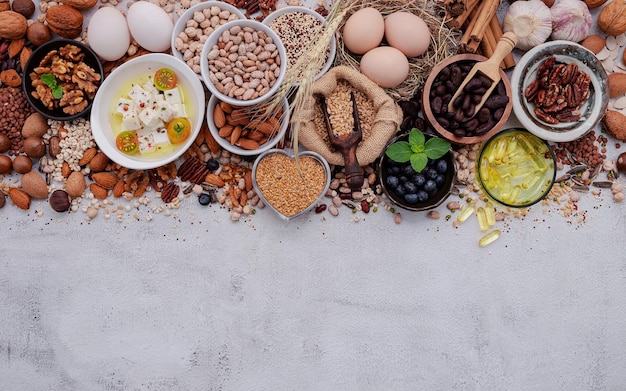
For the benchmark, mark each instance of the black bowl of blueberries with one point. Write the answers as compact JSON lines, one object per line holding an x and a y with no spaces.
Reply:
{"x":416,"y":191}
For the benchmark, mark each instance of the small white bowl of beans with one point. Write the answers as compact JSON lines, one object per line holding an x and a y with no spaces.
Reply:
{"x":243,"y":62}
{"x":195,"y":25}
{"x":297,"y":27}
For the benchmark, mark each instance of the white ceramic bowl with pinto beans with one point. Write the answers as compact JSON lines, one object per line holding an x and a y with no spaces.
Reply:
{"x":243,"y":63}
{"x":297,"y":27}
{"x":195,"y":25}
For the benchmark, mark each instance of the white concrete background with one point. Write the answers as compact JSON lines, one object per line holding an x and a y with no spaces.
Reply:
{"x":197,"y":302}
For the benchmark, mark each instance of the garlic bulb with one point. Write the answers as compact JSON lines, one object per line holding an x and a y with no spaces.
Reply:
{"x":530,"y":21}
{"x":571,"y":20}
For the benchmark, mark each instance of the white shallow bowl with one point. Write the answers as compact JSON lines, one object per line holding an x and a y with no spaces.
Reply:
{"x":333,"y":43}
{"x":181,"y":22}
{"x":109,"y":92}
{"x":213,"y":39}
{"x":269,"y":144}
{"x":592,"y":111}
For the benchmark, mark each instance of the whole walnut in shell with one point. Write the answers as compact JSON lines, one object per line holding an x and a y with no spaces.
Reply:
{"x":612,"y":18}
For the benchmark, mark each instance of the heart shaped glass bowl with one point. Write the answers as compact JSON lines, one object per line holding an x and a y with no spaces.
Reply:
{"x":277,"y":181}
{"x":592,"y":110}
{"x":105,"y":123}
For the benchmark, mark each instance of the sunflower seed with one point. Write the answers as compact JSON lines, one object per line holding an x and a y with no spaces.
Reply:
{"x":577,"y":169}
{"x":595,"y":172}
{"x":563,"y":178}
{"x":603,"y":184}
{"x":580,"y":188}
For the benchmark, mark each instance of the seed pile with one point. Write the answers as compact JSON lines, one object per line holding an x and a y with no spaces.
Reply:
{"x":340,"y":112}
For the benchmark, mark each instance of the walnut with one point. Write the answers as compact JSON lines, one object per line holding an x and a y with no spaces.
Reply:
{"x":73,"y":102}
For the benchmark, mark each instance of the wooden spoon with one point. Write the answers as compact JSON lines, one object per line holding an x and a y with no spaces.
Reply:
{"x":490,"y":68}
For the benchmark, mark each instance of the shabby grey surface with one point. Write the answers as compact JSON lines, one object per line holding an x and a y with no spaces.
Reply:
{"x":197,"y":302}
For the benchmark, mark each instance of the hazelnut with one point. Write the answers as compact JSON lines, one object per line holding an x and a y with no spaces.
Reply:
{"x":24,"y":7}
{"x":5,"y":164}
{"x":22,"y":164}
{"x":38,"y":33}
{"x":621,"y":162}
{"x":60,"y":201}
{"x":34,"y":147}
{"x":5,"y":143}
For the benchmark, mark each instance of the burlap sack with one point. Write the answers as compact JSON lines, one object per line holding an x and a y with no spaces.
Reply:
{"x":386,"y":121}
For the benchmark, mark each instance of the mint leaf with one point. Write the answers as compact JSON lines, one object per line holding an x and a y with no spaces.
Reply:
{"x":57,"y":92}
{"x":399,"y":151}
{"x":419,"y":161}
{"x":416,"y":137}
{"x":436,"y":147}
{"x":49,"y":80}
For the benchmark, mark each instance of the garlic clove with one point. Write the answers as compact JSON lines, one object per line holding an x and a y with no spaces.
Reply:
{"x":531,"y":21}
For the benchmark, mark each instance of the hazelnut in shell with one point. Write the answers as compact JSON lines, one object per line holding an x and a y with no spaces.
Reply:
{"x":38,"y":33}
{"x":5,"y":164}
{"x":5,"y":143}
{"x":22,"y":164}
{"x":60,"y":201}
{"x":620,"y":163}
{"x":34,"y":147}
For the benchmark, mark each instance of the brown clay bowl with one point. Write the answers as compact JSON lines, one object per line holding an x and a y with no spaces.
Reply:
{"x":448,"y":133}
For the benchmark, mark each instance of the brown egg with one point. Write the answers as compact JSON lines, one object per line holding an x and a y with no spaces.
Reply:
{"x":22,"y":164}
{"x":34,"y":147}
{"x":5,"y":164}
{"x":5,"y":143}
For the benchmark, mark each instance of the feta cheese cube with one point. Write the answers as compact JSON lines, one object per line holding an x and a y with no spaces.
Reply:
{"x":180,"y":110}
{"x":130,"y":121}
{"x":124,"y":106}
{"x":150,"y":118}
{"x":167,"y":112}
{"x":146,"y":141}
{"x":160,"y":136}
{"x":173,"y":96}
{"x":139,"y":96}
{"x":149,"y":87}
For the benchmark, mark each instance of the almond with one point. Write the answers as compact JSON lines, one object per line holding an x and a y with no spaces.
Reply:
{"x":267,"y":128}
{"x":247,"y":177}
{"x":219,"y":118}
{"x":214,"y":179}
{"x":64,"y":20}
{"x":98,"y":191}
{"x":66,"y":170}
{"x":617,"y":84}
{"x":19,"y":197}
{"x":99,"y":162}
{"x":34,"y":185}
{"x":35,"y":125}
{"x":12,"y":25}
{"x":87,"y":156}
{"x":75,"y":184}
{"x":594,"y":42}
{"x":615,"y":124}
{"x":248,"y":144}
{"x":105,"y":179}
{"x":612,"y":18}
{"x":213,"y":145}
{"x":118,"y":189}
{"x":16,"y":46}
{"x":24,"y":56}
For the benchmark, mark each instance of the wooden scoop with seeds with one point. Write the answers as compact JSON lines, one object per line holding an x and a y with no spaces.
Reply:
{"x":489,"y":68}
{"x":347,"y":144}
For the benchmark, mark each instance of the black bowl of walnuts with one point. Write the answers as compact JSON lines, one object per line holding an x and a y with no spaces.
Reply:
{"x":61,"y":79}
{"x":417,"y":170}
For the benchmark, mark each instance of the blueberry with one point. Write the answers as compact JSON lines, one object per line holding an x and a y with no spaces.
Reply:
{"x":411,"y":198}
{"x":403,"y":179}
{"x":418,"y":180}
{"x":392,"y":182}
{"x":204,"y":199}
{"x":400,"y":191}
{"x":441,"y":166}
{"x":439,"y":180}
{"x":410,"y":188}
{"x":430,"y":185}
{"x":212,"y":164}
{"x":407,"y":169}
{"x":393,"y":170}
{"x":431,"y":173}
{"x":422,"y":196}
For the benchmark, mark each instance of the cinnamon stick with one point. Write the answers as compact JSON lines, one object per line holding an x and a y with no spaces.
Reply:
{"x":458,"y":21}
{"x":486,"y":13}
{"x":466,"y":42}
{"x":494,"y":25}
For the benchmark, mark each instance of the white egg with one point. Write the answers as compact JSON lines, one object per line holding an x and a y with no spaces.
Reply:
{"x":150,"y":26}
{"x":108,"y":33}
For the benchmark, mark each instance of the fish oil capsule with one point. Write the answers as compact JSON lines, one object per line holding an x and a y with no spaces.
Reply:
{"x":489,"y":237}
{"x":481,"y":214}
{"x":490,"y":213}
{"x":526,"y":144}
{"x":466,"y":212}
{"x":500,"y":149}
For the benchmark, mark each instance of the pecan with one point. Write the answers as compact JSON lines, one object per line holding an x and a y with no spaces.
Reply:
{"x":573,"y":95}
{"x":187,"y":168}
{"x":556,"y":107}
{"x":540,"y":97}
{"x":545,"y":67}
{"x":531,"y":91}
{"x":556,"y":74}
{"x":568,"y":116}
{"x":169,"y":192}
{"x":545,"y":117}
{"x":552,"y":94}
{"x":583,"y":80}
{"x":569,"y":73}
